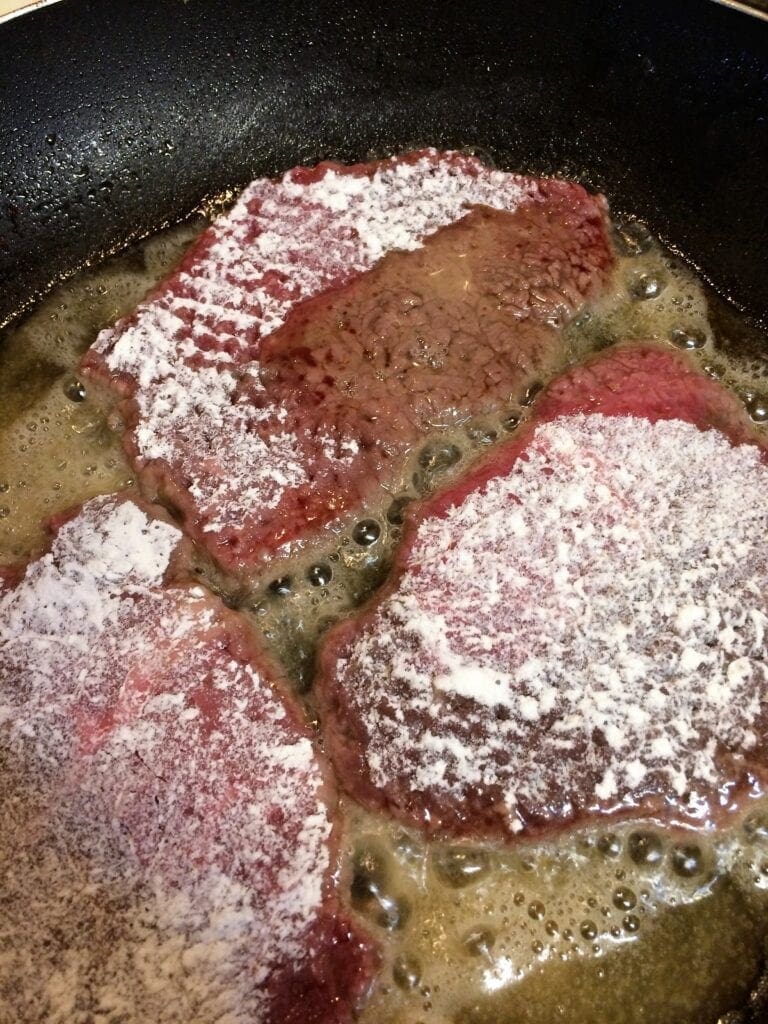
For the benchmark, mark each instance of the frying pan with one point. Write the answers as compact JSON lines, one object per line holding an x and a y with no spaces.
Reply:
{"x":118,"y":117}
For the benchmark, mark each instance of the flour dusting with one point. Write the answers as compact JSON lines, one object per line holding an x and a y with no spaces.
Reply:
{"x":582,"y":632}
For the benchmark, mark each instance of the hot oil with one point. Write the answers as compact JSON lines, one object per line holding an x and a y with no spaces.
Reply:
{"x":628,"y":925}
{"x":621,"y":925}
{"x":56,"y":449}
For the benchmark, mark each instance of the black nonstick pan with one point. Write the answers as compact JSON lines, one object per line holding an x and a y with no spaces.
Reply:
{"x":119,"y":117}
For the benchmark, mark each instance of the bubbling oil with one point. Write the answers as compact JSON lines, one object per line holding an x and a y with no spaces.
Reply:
{"x":623,"y":924}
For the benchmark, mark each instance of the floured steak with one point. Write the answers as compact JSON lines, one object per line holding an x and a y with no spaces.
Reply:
{"x":271,"y":386}
{"x":156,"y":745}
{"x":577,"y":627}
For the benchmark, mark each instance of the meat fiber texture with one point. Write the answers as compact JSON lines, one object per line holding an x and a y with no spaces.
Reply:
{"x":577,"y":628}
{"x":165,"y":752}
{"x":270,"y":389}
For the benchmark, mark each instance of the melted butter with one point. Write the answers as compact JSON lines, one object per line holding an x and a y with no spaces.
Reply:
{"x":668,"y":927}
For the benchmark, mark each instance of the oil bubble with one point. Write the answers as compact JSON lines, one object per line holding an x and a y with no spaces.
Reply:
{"x":756,"y":825}
{"x":645,"y":285}
{"x":366,"y":532}
{"x":396,"y":511}
{"x":688,"y":339}
{"x":687,"y":860}
{"x":406,"y":972}
{"x":631,"y":923}
{"x":609,"y":845}
{"x":588,"y":930}
{"x":319,"y":575}
{"x":536,"y":910}
{"x":530,"y":393}
{"x":480,"y":434}
{"x":479,"y":942}
{"x":459,"y":867}
{"x":632,"y":237}
{"x":645,"y":848}
{"x":624,"y":898}
{"x":281,"y":587}
{"x":75,"y":391}
{"x":392,"y":913}
{"x":757,"y":408}
{"x":438,"y":457}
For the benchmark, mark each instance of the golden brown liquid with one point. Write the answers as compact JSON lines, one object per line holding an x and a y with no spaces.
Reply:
{"x":628,"y":925}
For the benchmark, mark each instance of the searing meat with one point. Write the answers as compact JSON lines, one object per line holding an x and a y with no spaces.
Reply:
{"x":577,"y":627}
{"x":157,"y":738}
{"x":263,"y":416}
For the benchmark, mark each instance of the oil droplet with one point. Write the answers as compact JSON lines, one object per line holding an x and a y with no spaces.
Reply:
{"x":537,"y":946}
{"x":631,"y":923}
{"x":512,"y":422}
{"x":645,"y":848}
{"x":624,"y":898}
{"x":4,"y":511}
{"x":406,"y":972}
{"x":319,"y":575}
{"x":686,"y":860}
{"x":551,"y":928}
{"x":588,"y":930}
{"x":519,"y":899}
{"x":459,"y":867}
{"x":366,"y":532}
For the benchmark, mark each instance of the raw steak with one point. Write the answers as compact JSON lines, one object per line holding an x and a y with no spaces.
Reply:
{"x":260,"y":446}
{"x":576,"y":628}
{"x":159,"y":738}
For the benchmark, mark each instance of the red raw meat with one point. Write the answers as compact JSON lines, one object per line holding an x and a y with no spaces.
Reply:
{"x":263,"y":416}
{"x":577,"y":627}
{"x":143,"y":707}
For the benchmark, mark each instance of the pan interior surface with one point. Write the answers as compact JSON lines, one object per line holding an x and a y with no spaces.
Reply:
{"x":116,"y":120}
